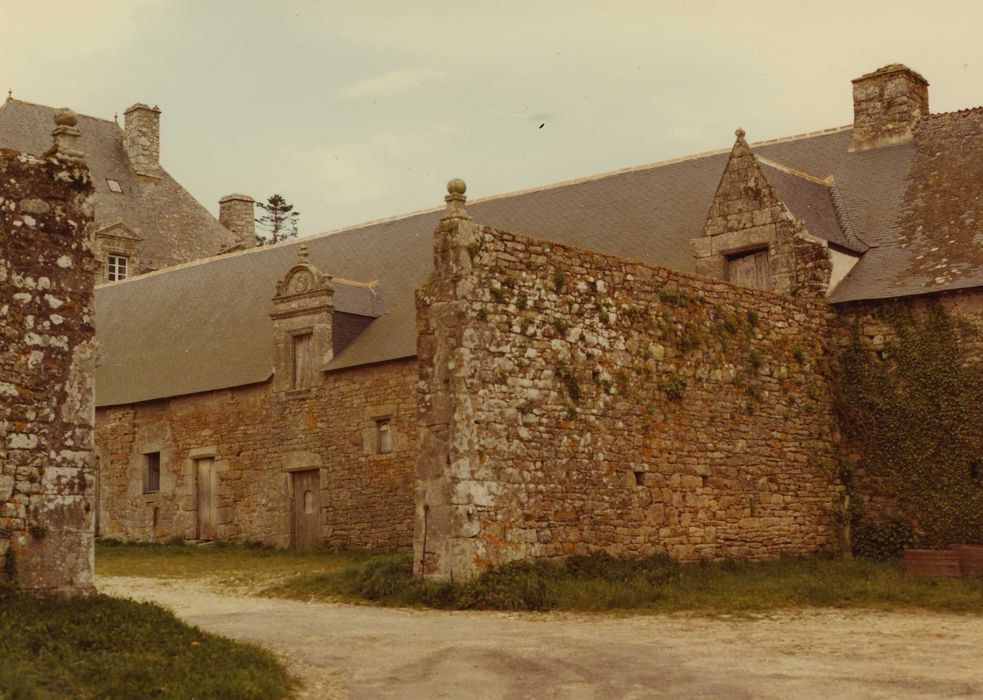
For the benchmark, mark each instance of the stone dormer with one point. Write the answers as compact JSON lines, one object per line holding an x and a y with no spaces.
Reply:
{"x":886,"y":106}
{"x":141,"y":139}
{"x":117,"y":252}
{"x":752,"y":239}
{"x":302,"y":327}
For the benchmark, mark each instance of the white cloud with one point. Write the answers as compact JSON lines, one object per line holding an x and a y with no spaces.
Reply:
{"x":392,"y":83}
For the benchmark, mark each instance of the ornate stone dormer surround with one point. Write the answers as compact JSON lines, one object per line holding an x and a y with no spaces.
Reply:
{"x":116,"y":239}
{"x":303,"y":305}
{"x":748,"y":215}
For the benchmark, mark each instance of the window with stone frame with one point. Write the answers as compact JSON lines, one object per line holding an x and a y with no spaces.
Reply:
{"x":117,"y":267}
{"x":750,"y":268}
{"x":384,"y":435}
{"x":303,"y":361}
{"x":151,"y":472}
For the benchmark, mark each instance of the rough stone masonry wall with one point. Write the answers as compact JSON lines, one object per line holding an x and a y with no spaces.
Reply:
{"x":255,"y":435}
{"x":876,"y":333}
{"x":46,"y":363}
{"x":573,"y":403}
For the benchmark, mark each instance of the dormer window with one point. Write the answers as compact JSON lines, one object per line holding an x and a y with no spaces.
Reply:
{"x":114,"y":185}
{"x":116,"y":267}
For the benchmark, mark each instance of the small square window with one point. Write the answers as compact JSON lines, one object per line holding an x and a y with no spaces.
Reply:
{"x":117,"y":267}
{"x":384,"y":435}
{"x":114,"y":185}
{"x":639,"y":478}
{"x":151,"y":478}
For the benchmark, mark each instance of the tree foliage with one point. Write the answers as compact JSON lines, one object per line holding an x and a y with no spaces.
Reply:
{"x":278,"y":222}
{"x":913,"y":413}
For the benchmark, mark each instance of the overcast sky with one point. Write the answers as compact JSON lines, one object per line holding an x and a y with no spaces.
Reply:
{"x":360,"y":110}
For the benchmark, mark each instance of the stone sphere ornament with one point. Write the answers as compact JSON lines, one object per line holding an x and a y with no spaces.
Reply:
{"x":65,"y":117}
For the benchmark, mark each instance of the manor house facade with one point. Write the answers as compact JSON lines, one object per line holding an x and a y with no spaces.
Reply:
{"x":643,"y":369}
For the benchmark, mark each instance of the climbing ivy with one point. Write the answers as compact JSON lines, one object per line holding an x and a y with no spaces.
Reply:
{"x":913,"y":412}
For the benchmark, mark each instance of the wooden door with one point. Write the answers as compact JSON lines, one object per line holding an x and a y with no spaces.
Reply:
{"x":750,"y":270}
{"x":207,"y":485}
{"x":306,"y":507}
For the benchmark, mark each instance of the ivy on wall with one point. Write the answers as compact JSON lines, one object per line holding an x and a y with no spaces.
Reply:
{"x":913,"y":414}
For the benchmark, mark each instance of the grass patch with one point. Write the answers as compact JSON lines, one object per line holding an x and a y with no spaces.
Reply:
{"x":102,"y":647}
{"x":657,"y":584}
{"x":226,"y":561}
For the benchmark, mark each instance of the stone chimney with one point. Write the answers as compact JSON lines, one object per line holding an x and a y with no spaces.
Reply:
{"x":141,"y":138}
{"x":886,"y":106}
{"x":237,"y":213}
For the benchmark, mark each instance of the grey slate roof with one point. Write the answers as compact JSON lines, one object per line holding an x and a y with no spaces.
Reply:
{"x":937,"y":243}
{"x":813,"y":201}
{"x":174,"y":227}
{"x":205,"y":325}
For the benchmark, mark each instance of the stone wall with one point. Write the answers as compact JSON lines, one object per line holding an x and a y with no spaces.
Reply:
{"x":573,"y":402}
{"x":256,"y":436}
{"x":46,"y":364}
{"x":877,"y":334}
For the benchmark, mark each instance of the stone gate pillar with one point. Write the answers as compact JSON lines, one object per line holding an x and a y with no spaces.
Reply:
{"x":46,"y":366}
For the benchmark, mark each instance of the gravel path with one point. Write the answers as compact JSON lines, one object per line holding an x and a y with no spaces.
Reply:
{"x":353,"y":651}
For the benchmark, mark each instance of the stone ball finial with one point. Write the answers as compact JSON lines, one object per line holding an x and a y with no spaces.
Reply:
{"x":65,"y":117}
{"x":739,"y":133}
{"x":457,"y":186}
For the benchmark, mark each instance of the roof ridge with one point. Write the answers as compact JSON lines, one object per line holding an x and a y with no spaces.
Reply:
{"x":371,"y":284}
{"x":825,"y":182}
{"x":77,"y":114}
{"x":965,"y":110}
{"x":658,"y":164}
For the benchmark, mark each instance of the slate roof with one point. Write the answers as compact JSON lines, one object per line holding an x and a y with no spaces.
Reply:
{"x":174,"y":227}
{"x":205,"y":325}
{"x":815,"y":202}
{"x":937,"y":243}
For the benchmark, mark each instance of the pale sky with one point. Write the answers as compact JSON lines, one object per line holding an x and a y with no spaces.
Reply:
{"x":359,"y":110}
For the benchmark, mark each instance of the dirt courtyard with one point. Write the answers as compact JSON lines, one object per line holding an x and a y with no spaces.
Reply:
{"x":344,"y":651}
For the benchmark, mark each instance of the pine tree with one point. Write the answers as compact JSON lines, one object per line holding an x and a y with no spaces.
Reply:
{"x":279,"y":222}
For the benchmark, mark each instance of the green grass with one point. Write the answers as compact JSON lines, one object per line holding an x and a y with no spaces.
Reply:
{"x":656,"y":584}
{"x":102,"y":647}
{"x":230,"y":563}
{"x":594,"y":583}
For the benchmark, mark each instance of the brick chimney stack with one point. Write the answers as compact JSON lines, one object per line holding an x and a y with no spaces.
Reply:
{"x":237,"y":213}
{"x":886,"y":106}
{"x":141,"y":138}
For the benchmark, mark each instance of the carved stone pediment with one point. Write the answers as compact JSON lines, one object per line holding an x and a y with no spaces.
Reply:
{"x":302,"y":280}
{"x":118,"y":231}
